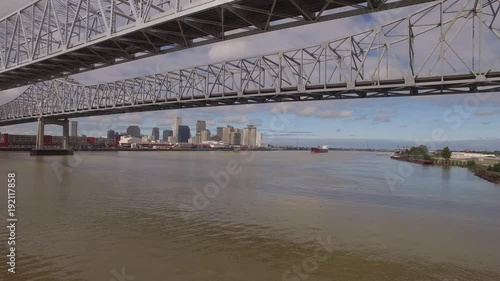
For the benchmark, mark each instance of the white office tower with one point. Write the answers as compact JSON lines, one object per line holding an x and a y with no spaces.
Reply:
{"x":74,"y":128}
{"x":175,"y":126}
{"x":205,"y":135}
{"x":226,"y":134}
{"x":260,"y":140}
{"x":249,"y":136}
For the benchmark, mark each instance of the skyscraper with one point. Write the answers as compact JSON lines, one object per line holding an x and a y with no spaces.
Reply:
{"x":226,"y":134}
{"x":155,"y":134}
{"x":184,"y":134}
{"x":235,"y":138}
{"x":74,"y":128}
{"x":260,"y":140}
{"x":200,"y":126}
{"x":134,"y":131}
{"x":175,"y":126}
{"x":253,"y":136}
{"x":205,"y":135}
{"x":110,"y":134}
{"x":219,"y":132}
{"x":166,"y":134}
{"x":249,"y":137}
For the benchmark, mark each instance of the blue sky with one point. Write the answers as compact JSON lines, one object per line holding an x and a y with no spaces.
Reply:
{"x":346,"y":122}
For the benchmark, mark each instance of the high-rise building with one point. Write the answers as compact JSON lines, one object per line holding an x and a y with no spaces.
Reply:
{"x":184,"y":134}
{"x":244,"y":137}
{"x":74,"y":128}
{"x":249,"y":136}
{"x":260,"y":140}
{"x":110,"y":134}
{"x":155,"y":134}
{"x":205,"y":135}
{"x":220,"y":132}
{"x":200,"y":126}
{"x":226,"y":134}
{"x":134,"y":131}
{"x":175,"y":126}
{"x":166,"y":134}
{"x":235,"y":138}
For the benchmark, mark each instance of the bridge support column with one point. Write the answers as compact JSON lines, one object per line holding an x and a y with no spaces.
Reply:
{"x":40,"y":133}
{"x":40,"y":150}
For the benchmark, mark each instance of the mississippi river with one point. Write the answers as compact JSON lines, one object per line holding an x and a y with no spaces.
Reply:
{"x":233,"y":216}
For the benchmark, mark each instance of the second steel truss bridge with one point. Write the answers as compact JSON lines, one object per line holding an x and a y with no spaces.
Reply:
{"x":449,"y":47}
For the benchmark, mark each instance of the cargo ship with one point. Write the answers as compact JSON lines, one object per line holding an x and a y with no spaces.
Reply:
{"x":320,"y":149}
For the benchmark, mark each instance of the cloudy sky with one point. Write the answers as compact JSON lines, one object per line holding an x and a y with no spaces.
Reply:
{"x":383,"y":122}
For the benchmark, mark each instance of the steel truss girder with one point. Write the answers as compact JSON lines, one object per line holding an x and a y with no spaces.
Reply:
{"x":51,"y":32}
{"x":421,"y":54}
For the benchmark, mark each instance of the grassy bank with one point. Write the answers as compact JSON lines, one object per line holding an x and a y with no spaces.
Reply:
{"x":482,"y":171}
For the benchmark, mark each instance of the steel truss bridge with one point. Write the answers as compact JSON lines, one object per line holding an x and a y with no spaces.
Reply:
{"x":55,"y":38}
{"x":449,"y":47}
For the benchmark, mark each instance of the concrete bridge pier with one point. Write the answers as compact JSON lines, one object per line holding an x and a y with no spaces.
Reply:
{"x":40,"y":149}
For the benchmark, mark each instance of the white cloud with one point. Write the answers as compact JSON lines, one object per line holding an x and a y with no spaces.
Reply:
{"x":335,"y":114}
{"x":235,"y":119}
{"x":229,"y":50}
{"x":308,"y":111}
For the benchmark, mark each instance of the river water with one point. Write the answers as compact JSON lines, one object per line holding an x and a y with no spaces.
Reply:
{"x":154,"y":216}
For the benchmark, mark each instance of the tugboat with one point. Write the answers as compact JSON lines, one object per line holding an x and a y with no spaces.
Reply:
{"x":320,"y":149}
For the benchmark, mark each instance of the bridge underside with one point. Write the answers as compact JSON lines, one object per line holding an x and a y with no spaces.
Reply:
{"x":451,"y":85}
{"x":449,"y":47}
{"x":52,"y":39}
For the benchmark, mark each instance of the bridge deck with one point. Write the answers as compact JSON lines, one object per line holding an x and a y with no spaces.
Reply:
{"x":79,"y":40}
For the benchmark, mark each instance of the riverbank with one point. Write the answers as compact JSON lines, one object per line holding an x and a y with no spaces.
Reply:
{"x":478,"y":170}
{"x":482,"y":172}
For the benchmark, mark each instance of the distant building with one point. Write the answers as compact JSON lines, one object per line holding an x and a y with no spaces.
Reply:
{"x":235,"y":138}
{"x":172,"y":139}
{"x":175,"y":126}
{"x":260,"y":140}
{"x":155,"y":134}
{"x":184,"y":134}
{"x":468,"y":155}
{"x":205,"y":136}
{"x":220,"y":131}
{"x":166,"y":134}
{"x":200,"y":126}
{"x":249,"y":136}
{"x":226,"y":134}
{"x":127,"y":141}
{"x":134,"y":131}
{"x":110,"y":134}
{"x":74,"y":128}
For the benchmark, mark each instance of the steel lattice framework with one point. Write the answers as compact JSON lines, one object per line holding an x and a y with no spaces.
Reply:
{"x":55,"y":38}
{"x":449,"y":47}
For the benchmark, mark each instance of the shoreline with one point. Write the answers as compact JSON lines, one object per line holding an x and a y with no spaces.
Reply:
{"x":486,"y":175}
{"x":478,"y":170}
